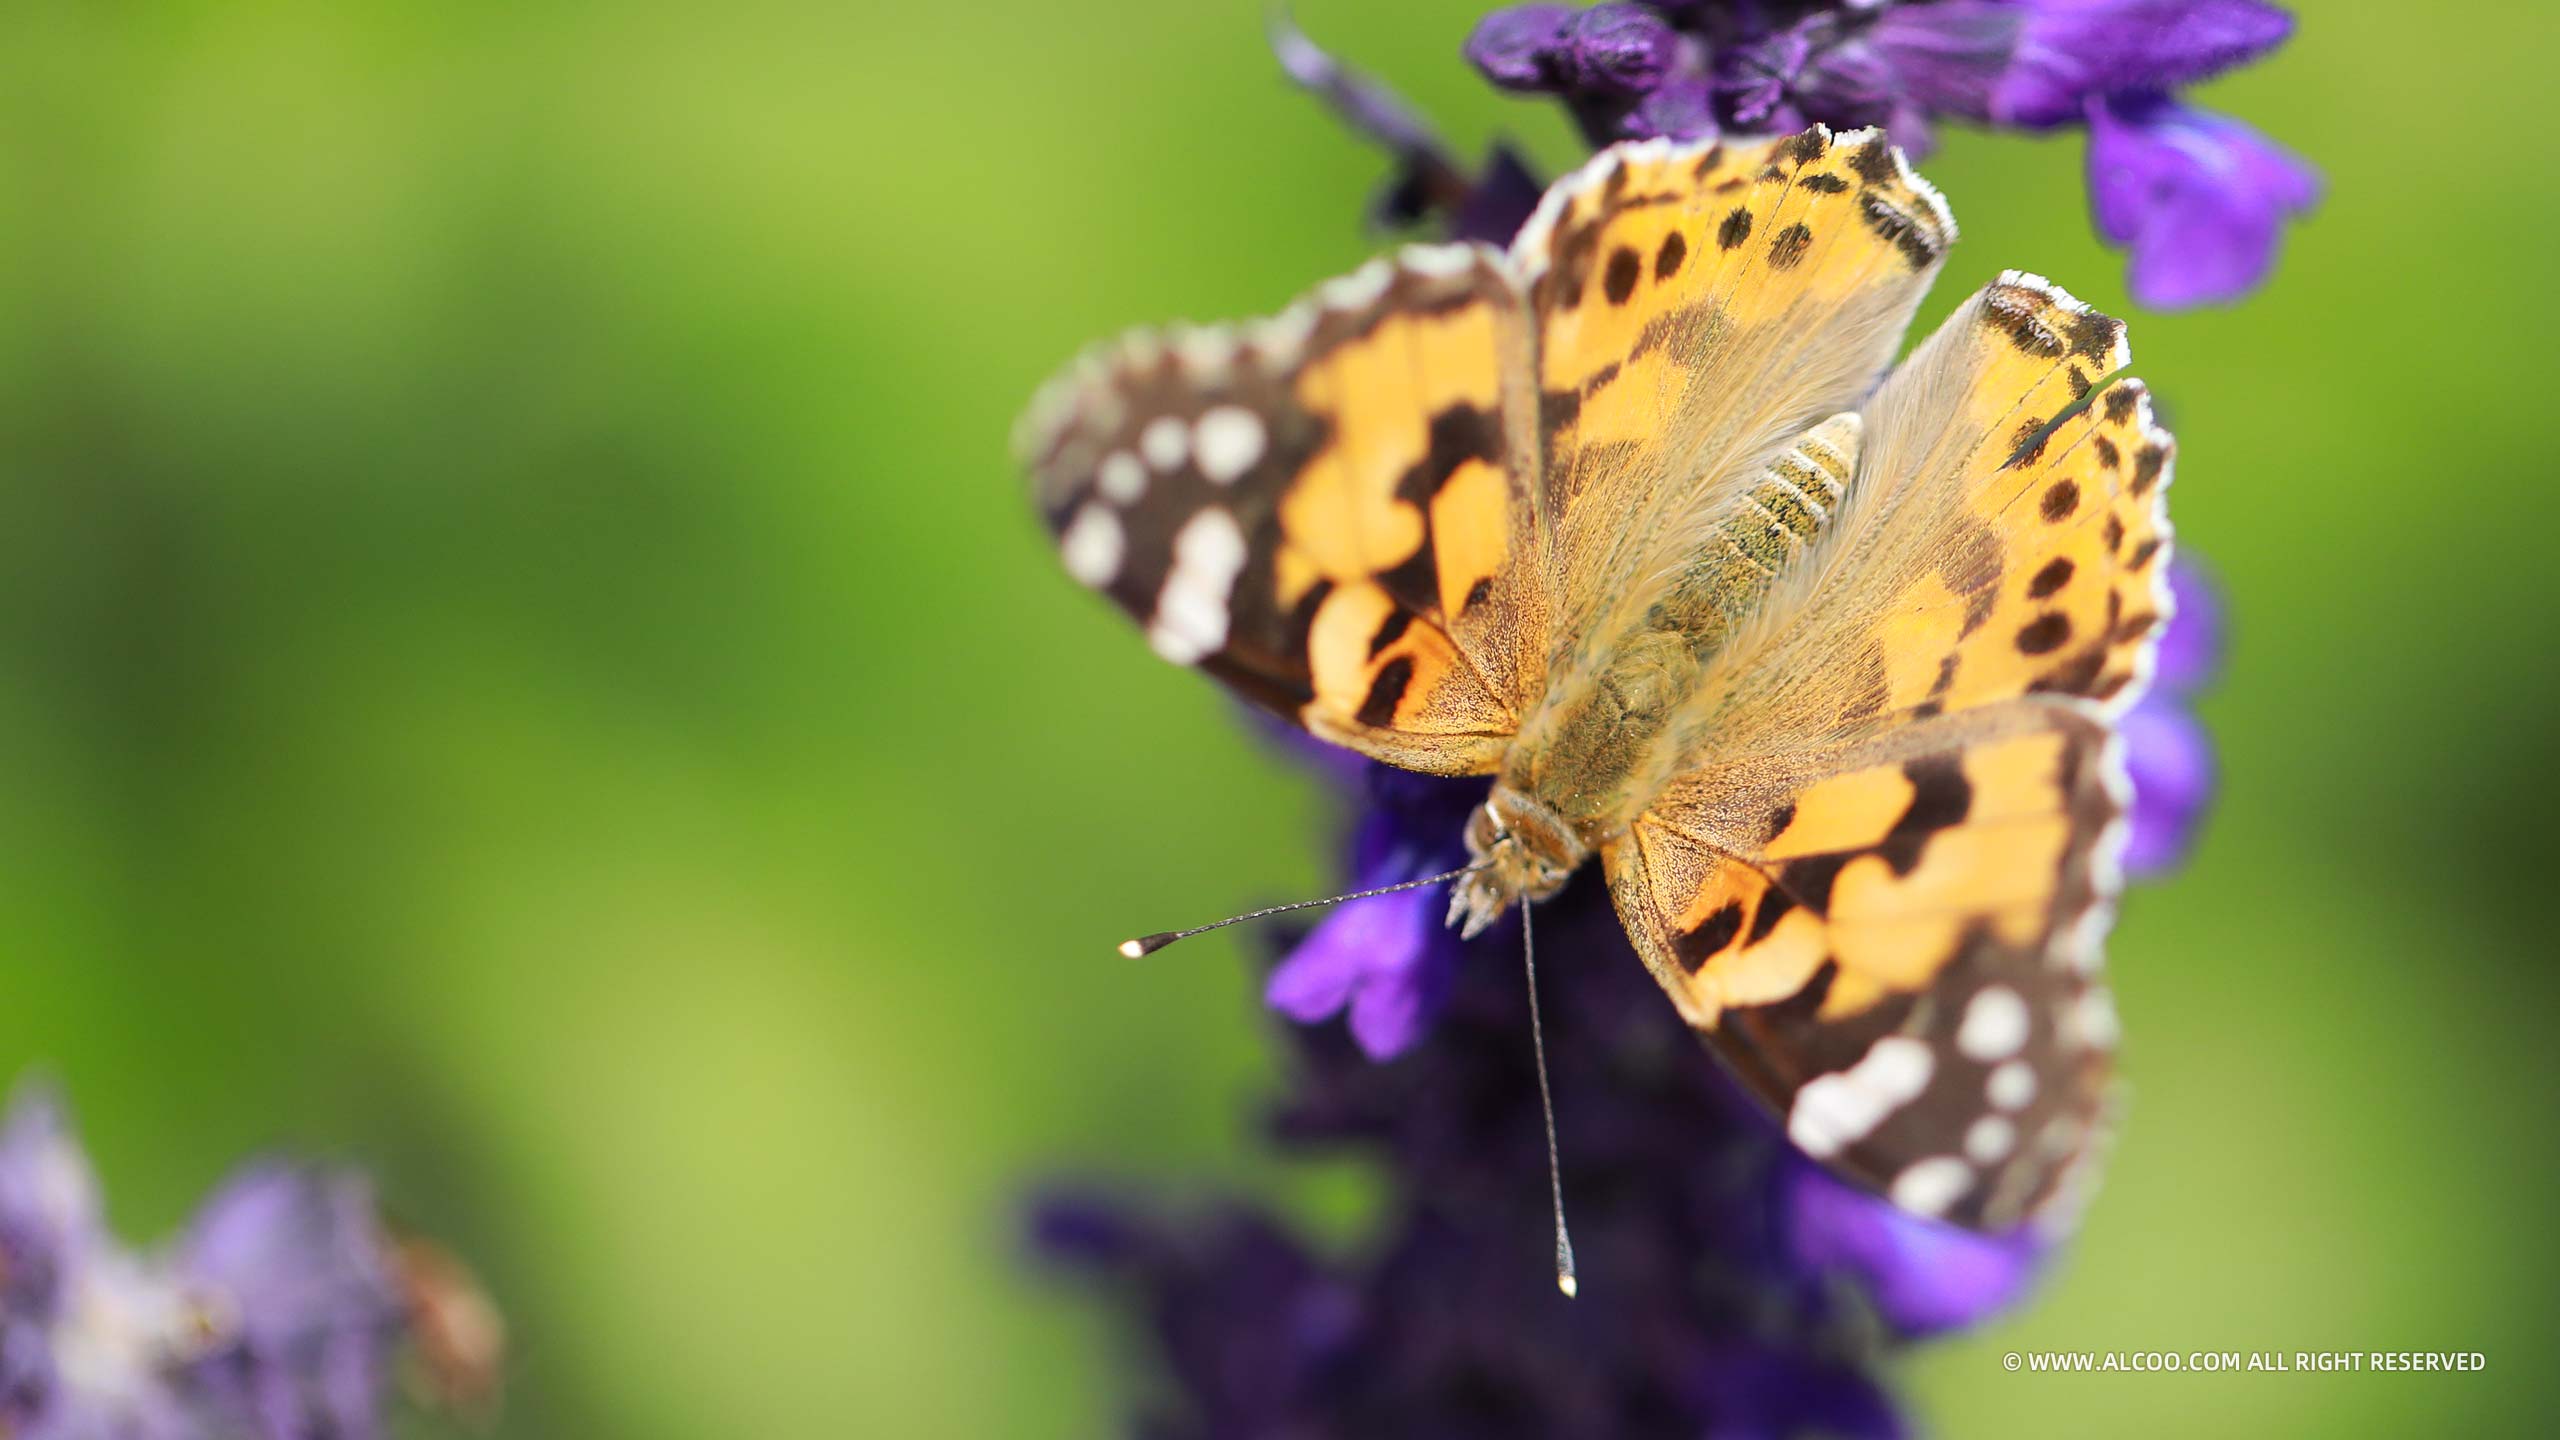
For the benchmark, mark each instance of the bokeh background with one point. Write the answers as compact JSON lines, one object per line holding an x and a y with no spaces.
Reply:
{"x":524,"y":665}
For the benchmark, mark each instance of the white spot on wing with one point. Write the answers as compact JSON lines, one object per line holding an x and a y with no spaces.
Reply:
{"x":2012,"y":1086}
{"x":1929,"y":1186}
{"x":1834,"y":1111}
{"x":1092,"y":545}
{"x":1989,"y":1140}
{"x":1995,"y":1024}
{"x":1166,"y":442}
{"x":1228,"y":441}
{"x":1191,"y":611}
{"x":2091,"y":1021}
{"x":1121,"y":479}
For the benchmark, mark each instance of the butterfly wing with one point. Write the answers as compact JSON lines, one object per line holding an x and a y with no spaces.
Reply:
{"x":1329,"y":510}
{"x":1884,"y":896}
{"x":1698,"y":307}
{"x":1893,"y":945}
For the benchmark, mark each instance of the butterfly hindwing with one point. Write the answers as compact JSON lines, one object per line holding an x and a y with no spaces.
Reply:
{"x":1803,"y":913}
{"x":1325,"y":510}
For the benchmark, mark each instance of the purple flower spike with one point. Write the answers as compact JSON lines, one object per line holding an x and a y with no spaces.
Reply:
{"x":2199,"y":198}
{"x":2076,"y":51}
{"x":1924,"y":1277}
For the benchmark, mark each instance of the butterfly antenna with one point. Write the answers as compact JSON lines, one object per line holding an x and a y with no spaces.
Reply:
{"x":1146,"y":945}
{"x":1565,"y":1279}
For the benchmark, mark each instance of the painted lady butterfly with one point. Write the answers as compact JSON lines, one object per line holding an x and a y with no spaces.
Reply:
{"x":1824,"y":671}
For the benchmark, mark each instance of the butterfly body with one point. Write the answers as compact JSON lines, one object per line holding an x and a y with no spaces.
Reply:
{"x":1823,"y":671}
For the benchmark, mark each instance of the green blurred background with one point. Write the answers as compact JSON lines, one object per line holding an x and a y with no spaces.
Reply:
{"x":523,"y":664}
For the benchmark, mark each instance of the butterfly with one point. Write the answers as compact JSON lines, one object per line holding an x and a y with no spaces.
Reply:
{"x":1823,"y":668}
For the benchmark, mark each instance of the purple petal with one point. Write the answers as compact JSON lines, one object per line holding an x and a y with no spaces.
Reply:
{"x":27,"y":1380}
{"x":1923,"y":1276}
{"x":1619,"y":49}
{"x":1947,"y":58}
{"x":1682,"y":108}
{"x":1757,"y":79}
{"x":1394,"y":1007}
{"x":2170,"y":759}
{"x":294,"y":1257}
{"x":2191,"y":648}
{"x":1360,"y":939}
{"x":49,"y":1214}
{"x":2074,"y":51}
{"x":1523,"y":47}
{"x":2201,"y":199}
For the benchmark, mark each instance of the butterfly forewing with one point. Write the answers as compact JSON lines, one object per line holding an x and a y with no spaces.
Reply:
{"x":1326,"y":510}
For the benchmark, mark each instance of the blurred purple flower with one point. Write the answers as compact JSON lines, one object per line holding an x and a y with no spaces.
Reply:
{"x":273,"y":1317}
{"x":291,"y":1262}
{"x":2201,"y":200}
{"x":1924,"y":1276}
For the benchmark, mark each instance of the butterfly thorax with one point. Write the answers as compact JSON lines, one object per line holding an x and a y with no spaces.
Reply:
{"x":1618,"y":720}
{"x":1527,"y":850}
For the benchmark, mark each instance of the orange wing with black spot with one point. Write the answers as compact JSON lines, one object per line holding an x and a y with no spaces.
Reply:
{"x":1326,"y":510}
{"x":1882,"y":889}
{"x":1893,"y":944}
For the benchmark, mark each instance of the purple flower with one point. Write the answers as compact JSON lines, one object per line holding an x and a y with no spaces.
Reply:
{"x":1387,"y":959}
{"x":291,"y":1261}
{"x":2070,"y":52}
{"x":2167,"y":753}
{"x":2200,"y":199}
{"x":273,"y":1317}
{"x":1923,"y":1276}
